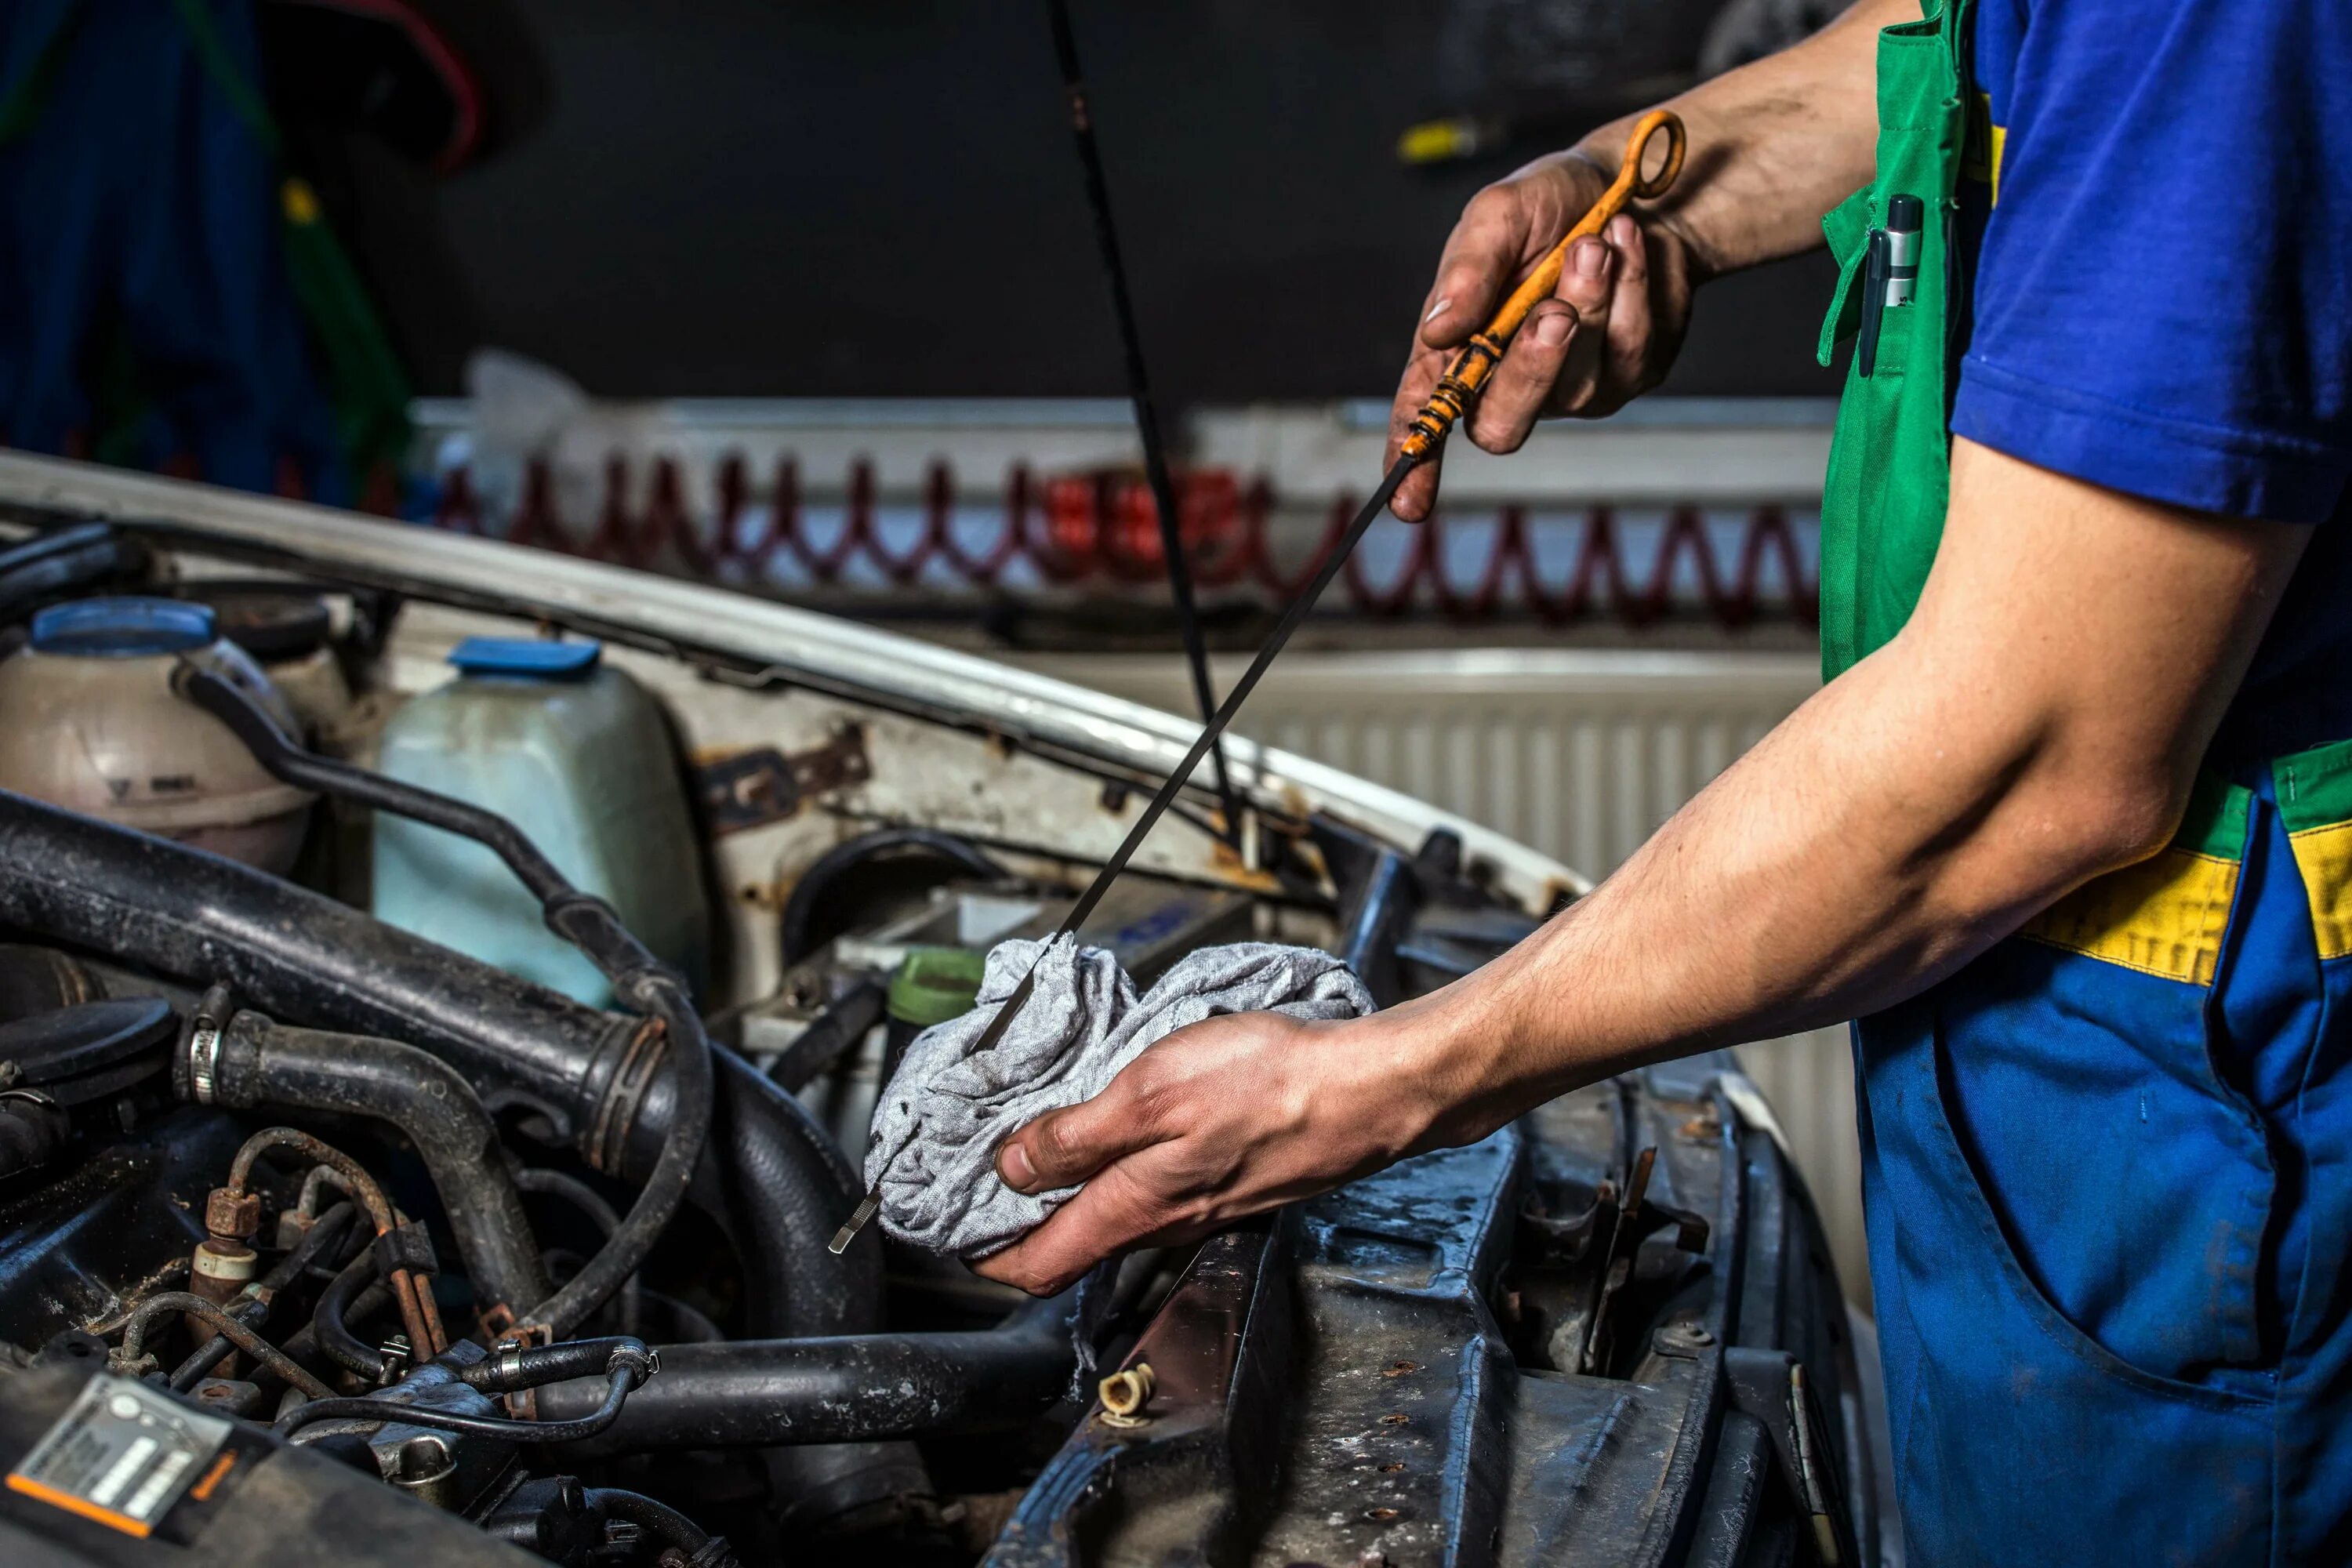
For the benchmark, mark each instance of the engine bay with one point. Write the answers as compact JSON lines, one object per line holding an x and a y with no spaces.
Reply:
{"x":438,"y":1026}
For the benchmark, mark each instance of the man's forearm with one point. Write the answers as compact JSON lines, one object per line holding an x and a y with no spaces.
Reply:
{"x":2037,"y":724}
{"x":1773,"y":145}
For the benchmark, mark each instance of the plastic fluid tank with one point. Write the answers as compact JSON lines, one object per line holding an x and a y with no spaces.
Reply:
{"x":89,"y":720}
{"x":578,"y":757}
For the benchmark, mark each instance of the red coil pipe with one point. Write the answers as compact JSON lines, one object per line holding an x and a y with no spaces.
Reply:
{"x":1077,"y":528}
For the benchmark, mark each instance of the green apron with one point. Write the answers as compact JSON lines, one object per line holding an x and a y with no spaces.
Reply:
{"x":1890,"y":462}
{"x":2104,"y":1166}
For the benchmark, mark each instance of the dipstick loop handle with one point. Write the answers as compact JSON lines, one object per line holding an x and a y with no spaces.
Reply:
{"x":1455,"y":389}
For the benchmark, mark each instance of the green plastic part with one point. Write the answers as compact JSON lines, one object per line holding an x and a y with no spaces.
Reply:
{"x":933,"y":985}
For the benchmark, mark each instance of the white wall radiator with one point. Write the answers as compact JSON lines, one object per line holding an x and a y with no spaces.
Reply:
{"x":1581,"y":753}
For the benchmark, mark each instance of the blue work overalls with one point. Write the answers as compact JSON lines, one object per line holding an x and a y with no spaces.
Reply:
{"x":2107,"y":1167}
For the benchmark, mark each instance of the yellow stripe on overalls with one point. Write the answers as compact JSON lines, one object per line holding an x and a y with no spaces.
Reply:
{"x":2166,"y":915}
{"x":2315,"y":799}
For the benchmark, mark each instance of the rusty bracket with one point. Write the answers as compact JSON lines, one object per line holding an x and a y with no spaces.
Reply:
{"x":752,"y":788}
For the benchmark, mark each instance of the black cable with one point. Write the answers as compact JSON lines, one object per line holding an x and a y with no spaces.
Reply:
{"x":618,"y":1384}
{"x":254,"y":1310}
{"x":586,"y":921}
{"x":1139,"y":391}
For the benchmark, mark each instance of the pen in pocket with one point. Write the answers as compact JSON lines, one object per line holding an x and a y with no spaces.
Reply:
{"x":1890,"y":275}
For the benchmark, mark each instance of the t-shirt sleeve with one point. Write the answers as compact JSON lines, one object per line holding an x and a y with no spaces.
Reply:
{"x":2163,"y":298}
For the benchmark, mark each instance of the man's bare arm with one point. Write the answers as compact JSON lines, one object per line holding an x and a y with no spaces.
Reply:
{"x":2038,"y":721}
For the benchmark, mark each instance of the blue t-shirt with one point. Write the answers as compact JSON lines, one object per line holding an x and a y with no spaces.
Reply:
{"x":2160,"y":217}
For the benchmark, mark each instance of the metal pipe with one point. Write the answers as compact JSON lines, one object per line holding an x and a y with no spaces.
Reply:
{"x":261,"y":1064}
{"x":416,"y":1314}
{"x":166,"y":1302}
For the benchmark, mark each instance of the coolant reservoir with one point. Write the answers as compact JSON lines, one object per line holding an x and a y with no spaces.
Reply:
{"x":89,"y":720}
{"x":578,"y":757}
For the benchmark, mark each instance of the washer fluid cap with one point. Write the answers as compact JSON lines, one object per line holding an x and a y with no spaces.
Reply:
{"x":122,"y":628}
{"x":532,"y":658}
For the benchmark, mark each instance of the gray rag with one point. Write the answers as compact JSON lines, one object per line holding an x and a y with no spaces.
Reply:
{"x":937,"y":1126}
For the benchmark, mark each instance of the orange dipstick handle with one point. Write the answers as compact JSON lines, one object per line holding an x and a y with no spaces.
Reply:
{"x":1450,"y":398}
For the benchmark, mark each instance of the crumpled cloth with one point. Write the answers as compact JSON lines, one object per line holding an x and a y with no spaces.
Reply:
{"x":938,"y":1121}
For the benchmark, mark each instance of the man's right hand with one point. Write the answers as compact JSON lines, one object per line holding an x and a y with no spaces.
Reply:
{"x":1607,"y":334}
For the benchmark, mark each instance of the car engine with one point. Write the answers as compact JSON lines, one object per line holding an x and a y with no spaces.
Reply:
{"x":372,"y":1192}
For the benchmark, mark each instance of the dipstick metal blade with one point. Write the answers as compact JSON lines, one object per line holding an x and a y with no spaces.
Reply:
{"x":854,"y":1223}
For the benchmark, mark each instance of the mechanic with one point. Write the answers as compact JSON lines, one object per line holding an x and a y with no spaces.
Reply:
{"x":2069,"y":828}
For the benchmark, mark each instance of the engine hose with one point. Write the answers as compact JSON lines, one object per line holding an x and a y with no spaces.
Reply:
{"x":795,"y":923}
{"x":848,"y":1389}
{"x":512,"y":1367}
{"x":586,"y":921}
{"x":330,"y":1321}
{"x":258,"y":1063}
{"x":591,"y":1202}
{"x":253,"y":1308}
{"x":302,"y":1345}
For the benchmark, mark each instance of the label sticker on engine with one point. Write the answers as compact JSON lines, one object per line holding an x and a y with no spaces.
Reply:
{"x":122,"y":1454}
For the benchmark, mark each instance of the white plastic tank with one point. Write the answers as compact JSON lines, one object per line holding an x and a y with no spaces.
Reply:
{"x":89,"y":720}
{"x":575,"y":754}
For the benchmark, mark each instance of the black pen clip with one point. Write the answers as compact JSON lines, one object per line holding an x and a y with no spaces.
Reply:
{"x":1875,"y":268}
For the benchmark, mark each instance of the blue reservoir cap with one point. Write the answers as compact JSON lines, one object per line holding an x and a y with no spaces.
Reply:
{"x":530,"y":657}
{"x":122,"y":628}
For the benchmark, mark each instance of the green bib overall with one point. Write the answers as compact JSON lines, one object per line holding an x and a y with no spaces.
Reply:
{"x":2107,"y":1167}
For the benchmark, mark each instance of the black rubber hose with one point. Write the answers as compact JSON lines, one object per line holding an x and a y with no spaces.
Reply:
{"x":303,"y":956}
{"x":829,"y":1034}
{"x":302,"y":1344}
{"x":511,"y":1367}
{"x":795,"y":922}
{"x":259,"y":1063}
{"x":330,"y":1321}
{"x":586,"y":921}
{"x":253,"y":1310}
{"x":600,"y":1213}
{"x":850,"y":1389}
{"x":655,"y":1517}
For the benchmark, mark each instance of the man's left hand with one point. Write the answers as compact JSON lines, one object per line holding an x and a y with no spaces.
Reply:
{"x":1237,"y":1113}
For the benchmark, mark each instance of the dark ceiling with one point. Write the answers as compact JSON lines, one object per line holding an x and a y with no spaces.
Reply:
{"x":878,"y":197}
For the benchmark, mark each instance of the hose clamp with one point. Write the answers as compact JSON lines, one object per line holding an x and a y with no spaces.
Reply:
{"x":204,"y":1060}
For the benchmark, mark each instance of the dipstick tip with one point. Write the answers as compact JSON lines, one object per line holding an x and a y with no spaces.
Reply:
{"x":854,"y":1223}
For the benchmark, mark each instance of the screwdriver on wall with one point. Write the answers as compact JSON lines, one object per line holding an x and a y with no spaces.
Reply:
{"x":1456,"y":391}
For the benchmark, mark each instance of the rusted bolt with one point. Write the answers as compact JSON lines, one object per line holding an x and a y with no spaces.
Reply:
{"x":233,"y":1213}
{"x":1125,"y":1393}
{"x":1399,"y":1368}
{"x":1396,"y":1418}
